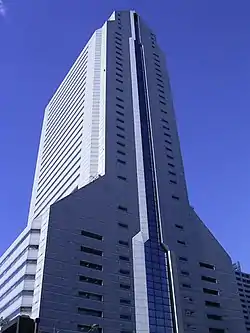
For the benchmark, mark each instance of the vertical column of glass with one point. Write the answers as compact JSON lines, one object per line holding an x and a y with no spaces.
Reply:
{"x":160,"y":316}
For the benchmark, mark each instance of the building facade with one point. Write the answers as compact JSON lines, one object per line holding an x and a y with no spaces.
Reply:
{"x":119,"y":246}
{"x":243,"y":283}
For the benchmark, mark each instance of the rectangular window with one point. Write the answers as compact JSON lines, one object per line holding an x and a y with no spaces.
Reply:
{"x":91,"y":265}
{"x":168,"y":135}
{"x":208,"y":279}
{"x":119,"y":89}
{"x":124,"y":258}
{"x":125,"y":301}
{"x":216,"y":330}
{"x":212,"y":304}
{"x":170,"y":157}
{"x":119,"y":53}
{"x":176,"y":198}
{"x":118,"y":58}
{"x":183,"y":259}
{"x":179,"y":226}
{"x":170,"y":164}
{"x":118,"y":48}
{"x":120,"y":143}
{"x":120,"y":128}
{"x":172,"y":181}
{"x":206,"y":265}
{"x":118,"y":80}
{"x":92,"y":296}
{"x":91,"y":235}
{"x":118,"y":33}
{"x":124,"y":243}
{"x":120,"y":120}
{"x":120,"y":106}
{"x":165,"y":127}
{"x":119,"y":64}
{"x":186,"y":285}
{"x":125,"y":317}
{"x":181,"y":242}
{"x":90,"y":312}
{"x":121,"y":152}
{"x":117,"y":74}
{"x":168,"y":149}
{"x":88,"y":279}
{"x":119,"y":69}
{"x":125,"y":286}
{"x":123,"y":225}
{"x":210,"y":291}
{"x":185,"y":273}
{"x":122,"y":178}
{"x":91,"y":251}
{"x":120,"y":135}
{"x":160,"y":85}
{"x":172,"y":173}
{"x":124,"y":209}
{"x":169,"y":142}
{"x":214,"y":317}
{"x":88,"y":328}
{"x":120,"y":113}
{"x":124,"y":272}
{"x":121,"y":161}
{"x":119,"y":99}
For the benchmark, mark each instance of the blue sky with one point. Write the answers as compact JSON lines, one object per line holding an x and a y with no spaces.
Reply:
{"x":207,"y":45}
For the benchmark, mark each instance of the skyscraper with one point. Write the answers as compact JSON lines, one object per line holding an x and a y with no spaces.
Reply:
{"x":114,"y":241}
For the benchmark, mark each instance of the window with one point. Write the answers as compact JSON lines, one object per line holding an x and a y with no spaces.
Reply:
{"x":172,"y":173}
{"x":120,"y":120}
{"x":120,"y":106}
{"x":212,"y":304}
{"x":119,"y":69}
{"x":181,"y":242}
{"x":214,"y":317}
{"x":186,"y":285}
{"x":88,"y":279}
{"x":120,"y":128}
{"x":124,"y":286}
{"x":183,"y":259}
{"x":92,"y":296}
{"x":91,"y":235}
{"x":91,"y":251}
{"x":185,"y":273}
{"x":120,"y":143}
{"x":119,"y":99}
{"x":216,"y":330}
{"x":124,"y":243}
{"x":179,"y":226}
{"x":205,"y":265}
{"x":120,"y":136}
{"x":125,"y":317}
{"x":168,"y":142}
{"x":90,"y":312}
{"x":124,"y":209}
{"x":168,"y":135}
{"x":210,"y":291}
{"x":118,"y":48}
{"x":120,"y":113}
{"x":120,"y":75}
{"x":118,"y":80}
{"x":88,"y":328}
{"x":172,"y":181}
{"x":119,"y":89}
{"x":122,"y":178}
{"x":119,"y":64}
{"x":189,"y":313}
{"x":124,"y":258}
{"x":121,"y":152}
{"x":124,"y":271}
{"x":175,"y":197}
{"x":169,"y":149}
{"x":121,"y":161}
{"x":123,"y":225}
{"x":91,"y":265}
{"x":208,"y":279}
{"x":125,"y":301}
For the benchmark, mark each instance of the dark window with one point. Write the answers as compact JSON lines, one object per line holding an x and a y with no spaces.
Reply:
{"x":172,"y":173}
{"x":124,"y":286}
{"x":183,"y":259}
{"x":88,"y":279}
{"x":186,"y":285}
{"x":123,"y":225}
{"x":181,"y":242}
{"x":124,"y":271}
{"x":163,"y":111}
{"x":120,"y":120}
{"x":205,"y":265}
{"x":212,"y":304}
{"x":119,"y":89}
{"x":124,"y":243}
{"x":214,"y":317}
{"x":92,"y":296}
{"x":120,"y":81}
{"x":122,"y":178}
{"x":121,"y":152}
{"x":208,"y":279}
{"x":91,"y":235}
{"x":91,"y":265}
{"x":176,"y":198}
{"x":125,"y":301}
{"x":165,"y":127}
{"x":118,"y":58}
{"x":88,"y":328}
{"x":91,"y":251}
{"x":171,"y":164}
{"x":118,"y":33}
{"x":118,"y":43}
{"x":172,"y":181}
{"x":119,"y":53}
{"x":216,"y":330}
{"x":169,"y":142}
{"x":119,"y":75}
{"x":169,"y":149}
{"x":118,"y":48}
{"x":119,"y":69}
{"x":90,"y":312}
{"x":125,"y":317}
{"x":120,"y":113}
{"x":168,"y":135}
{"x":119,"y":99}
{"x":120,"y":106}
{"x":179,"y":226}
{"x":185,"y":273}
{"x":124,"y":209}
{"x":120,"y":135}
{"x":210,"y":291}
{"x":121,"y":161}
{"x":120,"y":128}
{"x":120,"y":143}
{"x":119,"y":64}
{"x":160,"y":85}
{"x":124,"y":258}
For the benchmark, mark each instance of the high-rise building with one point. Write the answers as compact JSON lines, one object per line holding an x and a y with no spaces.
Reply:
{"x":112,"y":243}
{"x":243,"y":283}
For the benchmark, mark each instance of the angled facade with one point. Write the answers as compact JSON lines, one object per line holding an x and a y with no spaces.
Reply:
{"x":119,"y":249}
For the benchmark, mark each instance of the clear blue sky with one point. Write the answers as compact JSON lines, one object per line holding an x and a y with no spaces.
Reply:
{"x":207,"y":44}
